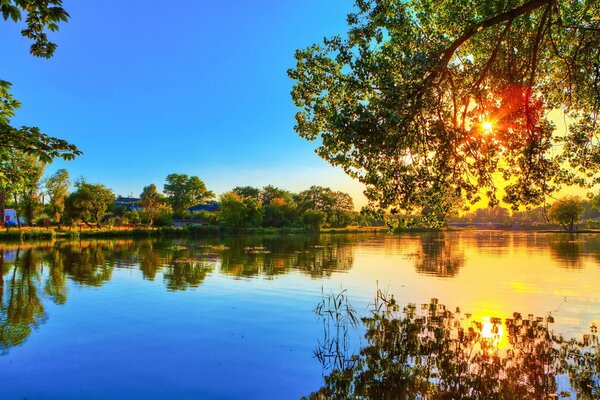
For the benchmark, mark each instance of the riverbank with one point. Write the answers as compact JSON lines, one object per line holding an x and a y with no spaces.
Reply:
{"x":33,"y":233}
{"x":52,"y":233}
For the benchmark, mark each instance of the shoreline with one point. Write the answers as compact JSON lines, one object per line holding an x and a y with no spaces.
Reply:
{"x":11,"y":235}
{"x":47,"y":234}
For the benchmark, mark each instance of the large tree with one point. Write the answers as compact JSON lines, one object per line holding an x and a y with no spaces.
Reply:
{"x":567,"y":212}
{"x":20,"y":175}
{"x":429,"y":103}
{"x":57,"y":188}
{"x":40,"y":16}
{"x":337,"y":206}
{"x":89,"y":203}
{"x":153,"y":204}
{"x":240,"y":212}
{"x":184,"y":191}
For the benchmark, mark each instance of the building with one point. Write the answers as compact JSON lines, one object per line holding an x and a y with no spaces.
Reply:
{"x":128,"y":203}
{"x":10,"y":217}
{"x":211,"y":206}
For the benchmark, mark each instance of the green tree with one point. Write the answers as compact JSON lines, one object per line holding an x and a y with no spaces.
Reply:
{"x":281,"y":211}
{"x":567,"y":212}
{"x":57,"y":188}
{"x":314,"y":219}
{"x":153,"y":205}
{"x":270,"y":193}
{"x":240,"y":212}
{"x":595,"y":202}
{"x":21,"y":174}
{"x":232,"y":210}
{"x":40,"y":17}
{"x":337,"y":206}
{"x":342,"y":207}
{"x":422,"y":98}
{"x":89,"y":203}
{"x":247,"y":191}
{"x":184,"y":191}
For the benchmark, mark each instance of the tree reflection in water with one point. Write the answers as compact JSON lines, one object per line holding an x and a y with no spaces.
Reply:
{"x":31,"y":275}
{"x":439,"y":256}
{"x":434,"y":353}
{"x":21,"y":309}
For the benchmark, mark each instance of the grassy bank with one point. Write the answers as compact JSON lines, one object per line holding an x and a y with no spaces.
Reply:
{"x":44,"y":234}
{"x":32,"y":233}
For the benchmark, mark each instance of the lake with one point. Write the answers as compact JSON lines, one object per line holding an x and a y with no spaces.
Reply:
{"x":233,"y":318}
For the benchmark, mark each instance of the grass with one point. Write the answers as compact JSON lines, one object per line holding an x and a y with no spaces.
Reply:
{"x":33,"y":233}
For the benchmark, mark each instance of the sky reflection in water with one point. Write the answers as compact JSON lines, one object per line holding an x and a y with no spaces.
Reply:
{"x":233,"y":318}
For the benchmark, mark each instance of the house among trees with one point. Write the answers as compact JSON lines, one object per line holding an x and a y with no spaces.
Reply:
{"x":10,"y":217}
{"x":128,"y":203}
{"x":210,"y":206}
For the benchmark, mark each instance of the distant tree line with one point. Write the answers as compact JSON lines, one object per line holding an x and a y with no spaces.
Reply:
{"x":570,"y":212}
{"x":56,"y":200}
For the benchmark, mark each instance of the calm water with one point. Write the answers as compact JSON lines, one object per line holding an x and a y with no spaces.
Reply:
{"x":233,"y":318}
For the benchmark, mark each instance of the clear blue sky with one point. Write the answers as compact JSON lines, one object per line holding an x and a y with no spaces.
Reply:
{"x":147,"y":88}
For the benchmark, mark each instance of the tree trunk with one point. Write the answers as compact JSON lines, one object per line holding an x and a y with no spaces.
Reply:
{"x":16,"y":210}
{"x":1,"y":276}
{"x":2,"y":207}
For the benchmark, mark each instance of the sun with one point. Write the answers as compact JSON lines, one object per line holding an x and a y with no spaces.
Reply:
{"x":487,"y":127}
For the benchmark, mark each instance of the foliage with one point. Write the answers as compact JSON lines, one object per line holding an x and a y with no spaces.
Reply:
{"x":240,"y":212}
{"x":270,"y":193}
{"x":184,"y":191}
{"x":57,"y":188}
{"x":89,"y":203}
{"x":21,"y":174}
{"x":41,"y":16}
{"x":247,"y":191}
{"x":595,"y":202}
{"x":314,"y":219}
{"x":29,"y":139}
{"x":530,"y":217}
{"x":567,"y":211}
{"x":153,"y":205}
{"x":337,"y":206}
{"x":281,"y":211}
{"x":430,"y":103}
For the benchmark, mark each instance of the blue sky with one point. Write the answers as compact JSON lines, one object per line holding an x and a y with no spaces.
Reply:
{"x":146,"y":89}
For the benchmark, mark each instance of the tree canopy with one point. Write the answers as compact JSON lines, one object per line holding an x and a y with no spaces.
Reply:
{"x":40,"y":17}
{"x":432,"y":104}
{"x":184,"y":191}
{"x":57,"y":188}
{"x":89,"y":203}
{"x":567,"y":212}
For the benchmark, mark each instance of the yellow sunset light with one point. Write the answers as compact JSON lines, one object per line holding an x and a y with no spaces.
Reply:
{"x":487,"y":127}
{"x":491,"y":331}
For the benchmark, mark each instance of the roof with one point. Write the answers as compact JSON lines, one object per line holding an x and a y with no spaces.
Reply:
{"x":127,"y":200}
{"x":210,"y":207}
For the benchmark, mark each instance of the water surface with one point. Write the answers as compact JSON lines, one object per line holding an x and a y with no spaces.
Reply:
{"x":233,"y":318}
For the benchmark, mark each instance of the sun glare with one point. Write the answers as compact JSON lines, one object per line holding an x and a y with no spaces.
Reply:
{"x":491,"y":331}
{"x":487,"y":127}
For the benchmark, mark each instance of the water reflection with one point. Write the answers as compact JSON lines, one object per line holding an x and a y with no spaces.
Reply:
{"x":34,"y":275}
{"x":439,"y":256}
{"x":435,"y":353}
{"x":21,"y":309}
